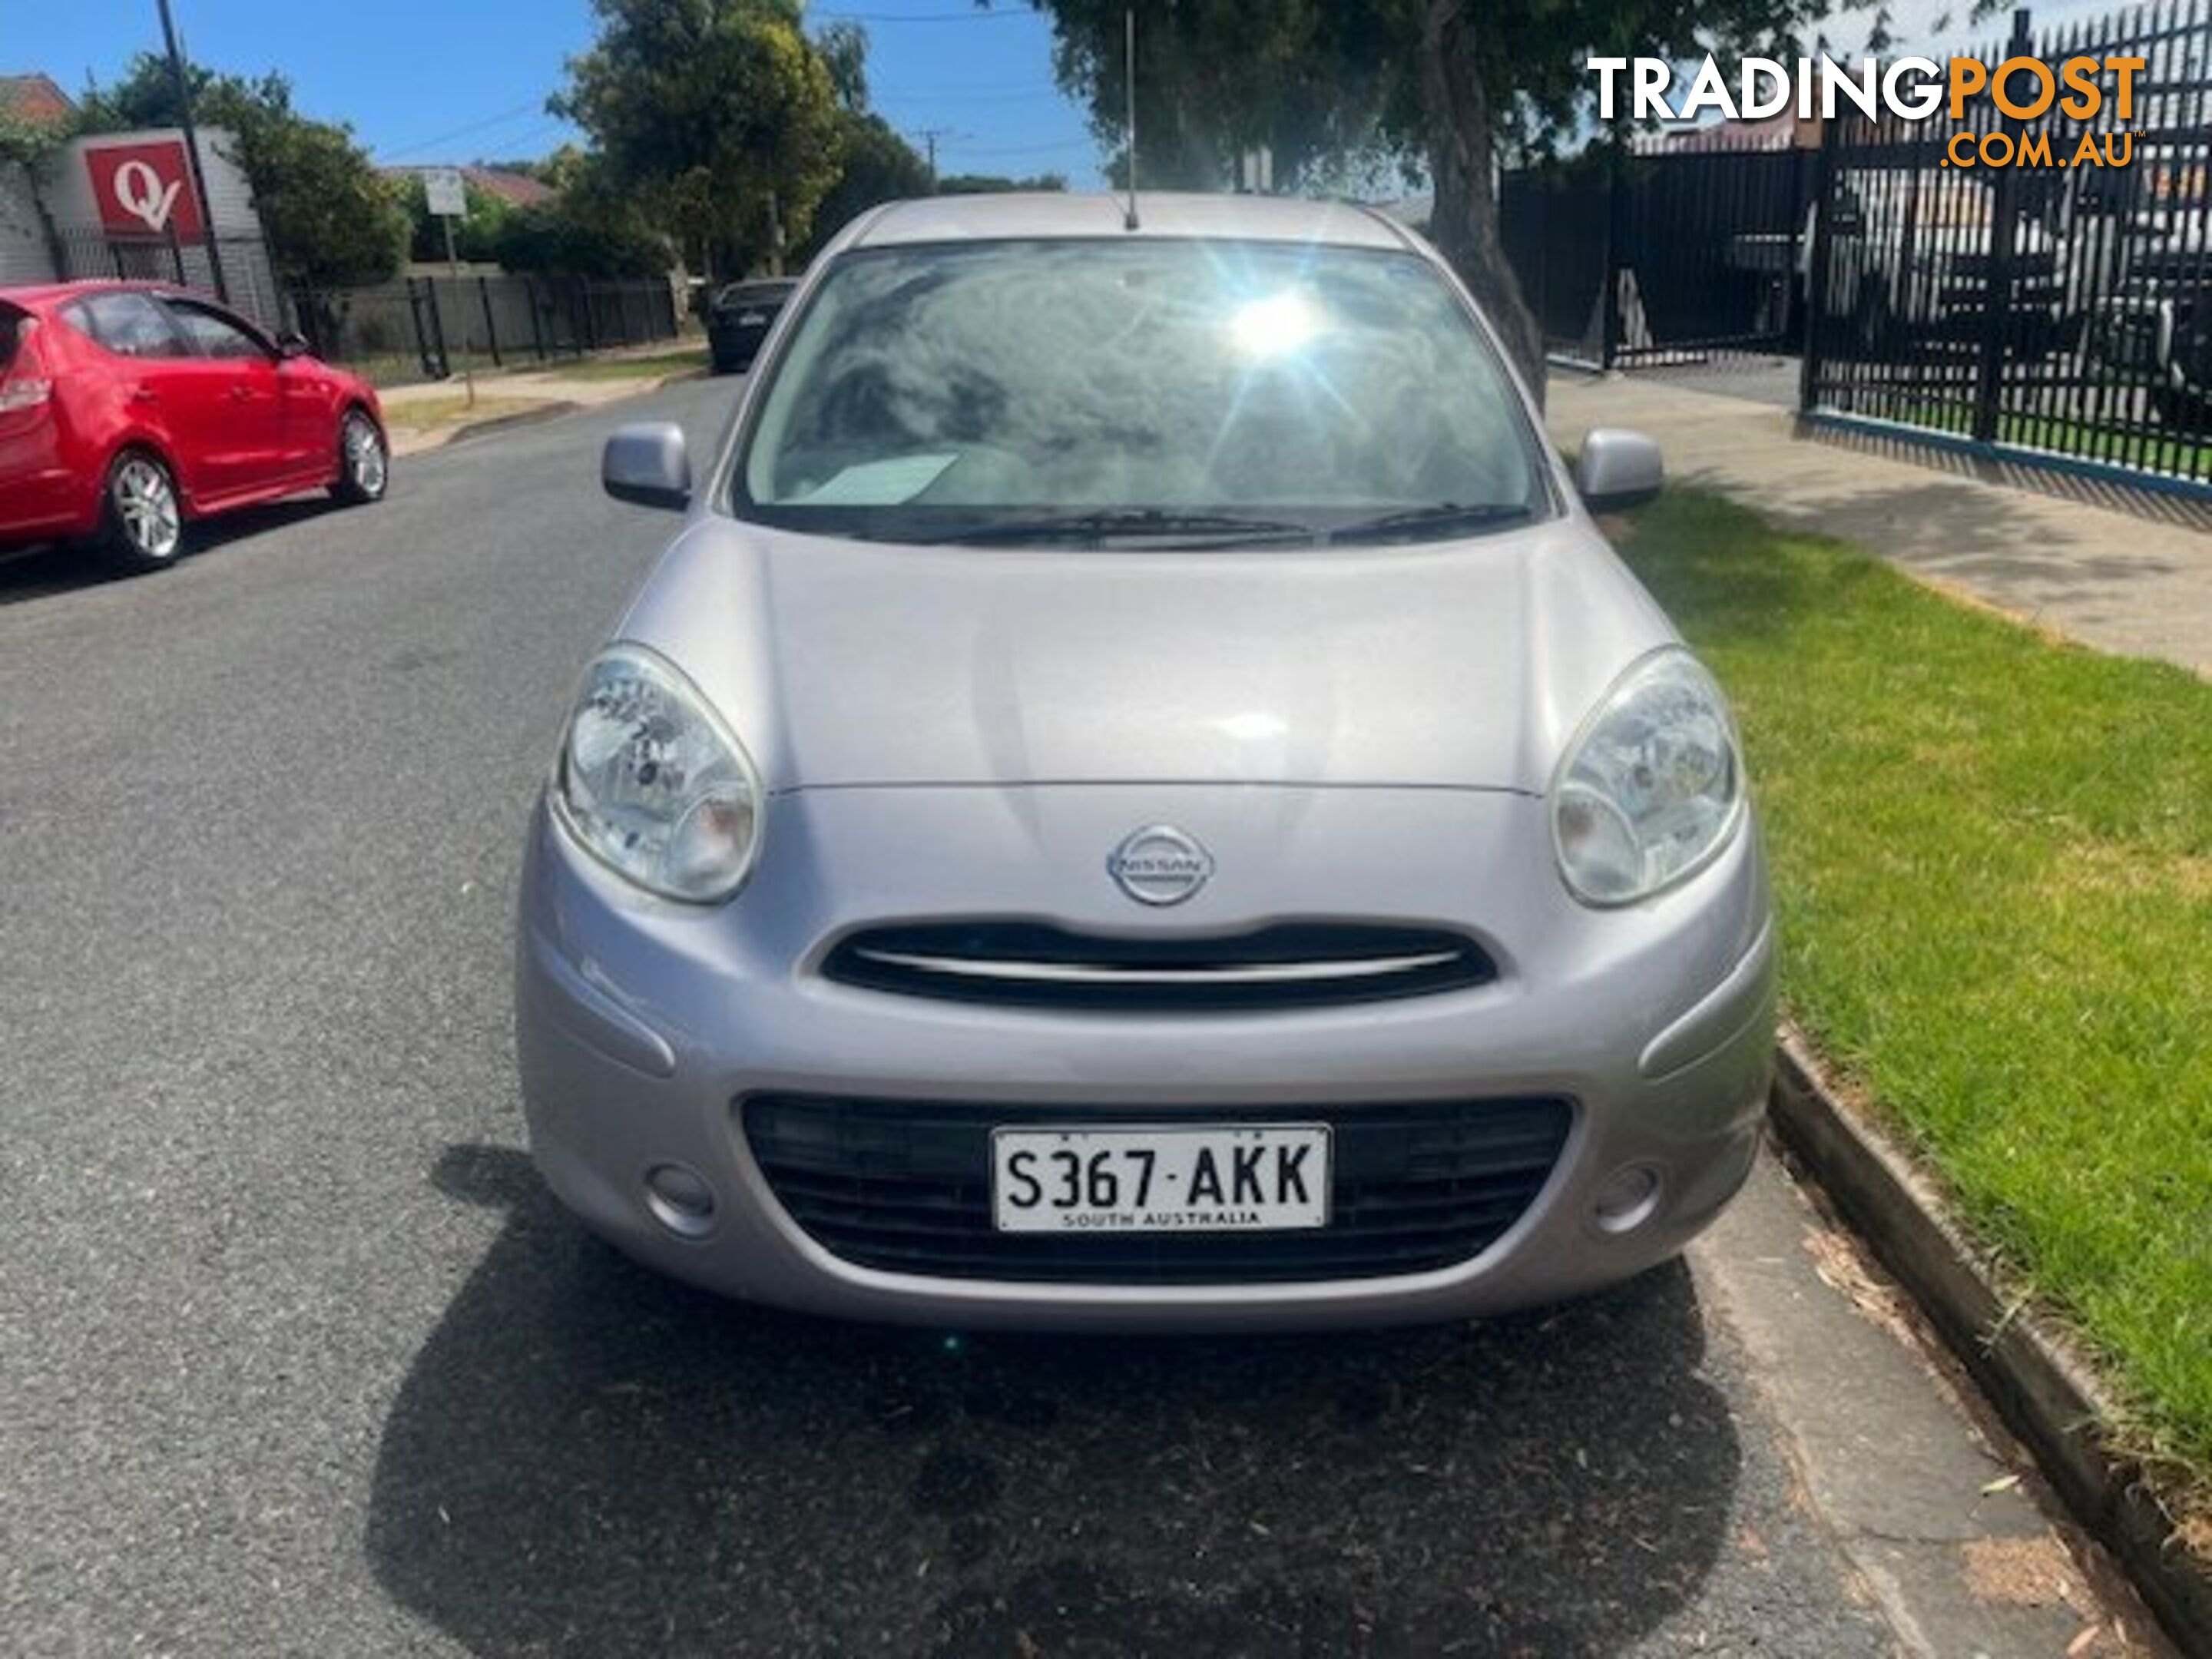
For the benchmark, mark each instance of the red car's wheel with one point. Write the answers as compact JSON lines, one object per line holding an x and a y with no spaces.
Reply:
{"x":364,"y":465}
{"x":142,"y":523}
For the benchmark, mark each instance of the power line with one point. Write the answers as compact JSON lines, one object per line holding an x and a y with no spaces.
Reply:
{"x":536,"y":105}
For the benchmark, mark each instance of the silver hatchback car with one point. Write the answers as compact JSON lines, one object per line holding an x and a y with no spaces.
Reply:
{"x":1138,"y":797}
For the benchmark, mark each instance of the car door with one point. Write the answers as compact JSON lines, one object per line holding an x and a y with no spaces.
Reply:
{"x":242,"y":397}
{"x":155,"y":388}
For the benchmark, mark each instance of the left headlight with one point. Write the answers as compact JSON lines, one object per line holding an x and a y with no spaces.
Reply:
{"x":1652,"y":786}
{"x":652,"y":784}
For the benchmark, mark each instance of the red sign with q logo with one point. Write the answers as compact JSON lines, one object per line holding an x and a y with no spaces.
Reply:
{"x":145,"y":189}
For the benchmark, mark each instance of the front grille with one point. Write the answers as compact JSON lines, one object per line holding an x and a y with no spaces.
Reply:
{"x":904,"y":1186}
{"x":1036,"y":965}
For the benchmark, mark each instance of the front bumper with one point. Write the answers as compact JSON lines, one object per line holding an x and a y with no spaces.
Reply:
{"x":642,"y":1026}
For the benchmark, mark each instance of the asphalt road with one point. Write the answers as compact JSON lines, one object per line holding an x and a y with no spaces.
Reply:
{"x":297,"y":1356}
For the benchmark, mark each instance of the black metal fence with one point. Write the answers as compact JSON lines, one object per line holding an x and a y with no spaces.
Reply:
{"x":412,"y":328}
{"x":2039,"y":287}
{"x":2063,"y":306}
{"x":249,"y":280}
{"x":1643,"y":256}
{"x":420,"y":327}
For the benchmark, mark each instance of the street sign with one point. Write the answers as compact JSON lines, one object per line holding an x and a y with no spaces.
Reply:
{"x":447,"y":198}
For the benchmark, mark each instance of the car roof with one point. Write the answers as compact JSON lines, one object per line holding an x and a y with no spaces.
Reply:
{"x":1054,"y":215}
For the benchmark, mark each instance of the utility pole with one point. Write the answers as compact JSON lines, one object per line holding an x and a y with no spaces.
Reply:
{"x":929,"y":135}
{"x":192,"y":149}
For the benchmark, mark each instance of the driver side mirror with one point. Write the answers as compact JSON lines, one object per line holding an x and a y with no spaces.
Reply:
{"x":1618,"y":469}
{"x":291,"y":343}
{"x":646,"y":463}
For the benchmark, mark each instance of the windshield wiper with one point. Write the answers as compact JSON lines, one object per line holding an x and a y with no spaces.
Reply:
{"x":1215,"y":527}
{"x":1444,"y":515}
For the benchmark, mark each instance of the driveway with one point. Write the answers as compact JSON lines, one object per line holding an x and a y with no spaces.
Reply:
{"x":297,"y":1357}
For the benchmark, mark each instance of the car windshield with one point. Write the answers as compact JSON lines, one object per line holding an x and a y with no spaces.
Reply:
{"x":1072,"y":390}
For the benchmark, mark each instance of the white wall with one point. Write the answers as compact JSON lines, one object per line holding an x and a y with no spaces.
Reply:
{"x":24,"y":255}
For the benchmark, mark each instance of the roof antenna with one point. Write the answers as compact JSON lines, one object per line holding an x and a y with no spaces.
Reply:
{"x":1129,"y":77}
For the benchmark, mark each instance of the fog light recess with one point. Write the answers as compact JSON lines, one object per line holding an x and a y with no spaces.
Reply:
{"x":1627,"y":1198}
{"x":680,"y":1199}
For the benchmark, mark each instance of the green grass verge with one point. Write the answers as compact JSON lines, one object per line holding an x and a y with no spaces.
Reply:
{"x":631,"y":368}
{"x":1992,"y":862}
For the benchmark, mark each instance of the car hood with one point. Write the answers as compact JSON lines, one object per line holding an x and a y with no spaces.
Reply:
{"x":844,"y":664}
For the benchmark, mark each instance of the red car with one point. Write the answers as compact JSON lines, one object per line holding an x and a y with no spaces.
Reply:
{"x":128,"y":410}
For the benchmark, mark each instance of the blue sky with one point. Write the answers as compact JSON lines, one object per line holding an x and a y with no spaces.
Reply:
{"x":459,"y":80}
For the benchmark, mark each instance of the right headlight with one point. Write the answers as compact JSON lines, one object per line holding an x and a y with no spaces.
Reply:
{"x":652,"y":783}
{"x":1652,"y":786}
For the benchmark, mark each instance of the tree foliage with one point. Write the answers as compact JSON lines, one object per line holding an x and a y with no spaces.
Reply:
{"x":1442,"y":88}
{"x":330,"y":217}
{"x":721,"y":115}
{"x":27,"y":144}
{"x":993,"y":184}
{"x":879,"y":166}
{"x":592,"y":228}
{"x":476,"y":233}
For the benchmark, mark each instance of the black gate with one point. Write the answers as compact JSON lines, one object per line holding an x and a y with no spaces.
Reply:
{"x":1688,"y":248}
{"x":2061,"y":305}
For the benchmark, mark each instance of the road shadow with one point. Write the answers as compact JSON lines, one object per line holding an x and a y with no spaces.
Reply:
{"x":45,"y":571}
{"x":588,"y":1458}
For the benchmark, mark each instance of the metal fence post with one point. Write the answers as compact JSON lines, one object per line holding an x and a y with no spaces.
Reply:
{"x":537,"y":318}
{"x":1816,"y":302}
{"x":430,"y":342}
{"x":1615,"y":211}
{"x":2004,"y":231}
{"x":492,"y":328}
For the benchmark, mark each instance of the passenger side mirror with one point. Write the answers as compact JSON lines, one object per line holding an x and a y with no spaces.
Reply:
{"x":1618,"y":469}
{"x":290,"y":344}
{"x":646,"y":463}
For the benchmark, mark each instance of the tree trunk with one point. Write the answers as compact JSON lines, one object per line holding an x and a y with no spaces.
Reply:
{"x":1462,"y":166}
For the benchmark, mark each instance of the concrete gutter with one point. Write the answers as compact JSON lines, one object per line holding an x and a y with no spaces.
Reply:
{"x":421,"y":442}
{"x":553,"y":395}
{"x":2045,"y":1395}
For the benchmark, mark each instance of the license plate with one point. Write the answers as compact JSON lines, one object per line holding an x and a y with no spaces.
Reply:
{"x":1221,"y":1178}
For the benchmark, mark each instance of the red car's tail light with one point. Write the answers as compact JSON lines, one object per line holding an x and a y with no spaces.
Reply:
{"x":24,"y":394}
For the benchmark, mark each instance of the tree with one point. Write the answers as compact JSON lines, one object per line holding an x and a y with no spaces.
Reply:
{"x":1447,"y":85}
{"x":721,"y":113}
{"x":330,"y":218}
{"x":592,"y":228}
{"x":879,"y":166}
{"x":992,"y":183}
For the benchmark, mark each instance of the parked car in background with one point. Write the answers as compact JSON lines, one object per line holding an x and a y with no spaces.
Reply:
{"x":738,"y":318}
{"x":2152,"y":327}
{"x":1140,"y":796}
{"x":129,"y":409}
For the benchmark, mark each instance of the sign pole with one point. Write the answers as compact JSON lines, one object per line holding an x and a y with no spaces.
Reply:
{"x":447,"y":196}
{"x":453,"y":271}
{"x":193,"y":150}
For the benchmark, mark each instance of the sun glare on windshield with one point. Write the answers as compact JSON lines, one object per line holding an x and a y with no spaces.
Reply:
{"x":1279,"y":325}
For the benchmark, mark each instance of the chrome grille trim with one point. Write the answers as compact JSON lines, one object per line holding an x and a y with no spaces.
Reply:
{"x":1061,"y":973}
{"x":1040,"y":965}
